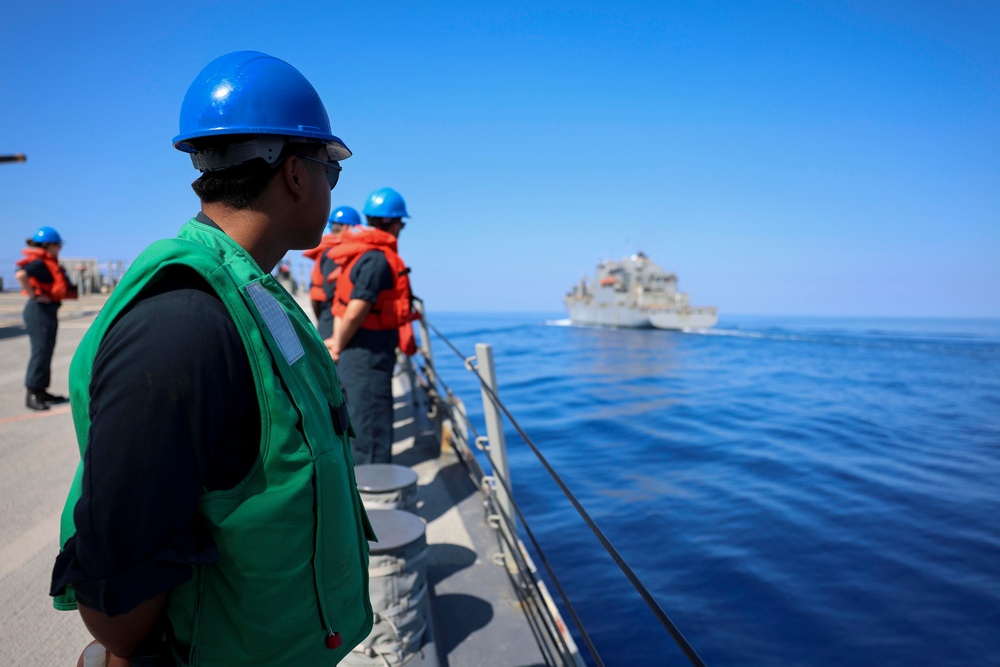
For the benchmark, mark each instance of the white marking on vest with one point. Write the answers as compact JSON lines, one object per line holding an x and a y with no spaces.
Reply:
{"x":277,"y":323}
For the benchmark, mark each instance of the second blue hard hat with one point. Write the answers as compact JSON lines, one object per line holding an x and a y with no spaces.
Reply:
{"x":345,"y":215}
{"x":46,"y":235}
{"x":247,"y":92}
{"x":386,"y":203}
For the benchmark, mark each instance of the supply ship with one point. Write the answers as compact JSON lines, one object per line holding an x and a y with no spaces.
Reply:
{"x":635,"y":293}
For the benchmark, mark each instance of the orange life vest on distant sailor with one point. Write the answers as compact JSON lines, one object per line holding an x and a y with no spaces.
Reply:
{"x":394,"y":307}
{"x":60,"y":288}
{"x":317,"y":279}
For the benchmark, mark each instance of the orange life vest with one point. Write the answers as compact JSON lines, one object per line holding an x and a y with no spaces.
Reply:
{"x":60,"y":288}
{"x":317,"y":279}
{"x":394,"y":307}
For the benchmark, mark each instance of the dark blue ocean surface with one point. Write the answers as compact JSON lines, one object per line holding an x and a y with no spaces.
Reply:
{"x":793,"y":491}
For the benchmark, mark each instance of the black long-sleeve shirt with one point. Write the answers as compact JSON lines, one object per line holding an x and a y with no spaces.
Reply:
{"x":174,"y":412}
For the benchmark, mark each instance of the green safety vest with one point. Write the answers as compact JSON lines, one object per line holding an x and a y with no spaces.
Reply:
{"x":293,"y":535}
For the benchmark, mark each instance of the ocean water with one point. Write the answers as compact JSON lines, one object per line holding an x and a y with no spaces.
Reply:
{"x":793,"y":491}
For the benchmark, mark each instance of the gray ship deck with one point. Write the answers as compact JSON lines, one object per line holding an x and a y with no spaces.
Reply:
{"x":38,"y":457}
{"x":476,"y":618}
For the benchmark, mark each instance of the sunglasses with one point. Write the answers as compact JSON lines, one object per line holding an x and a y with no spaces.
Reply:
{"x":332,"y":169}
{"x":376,"y":220}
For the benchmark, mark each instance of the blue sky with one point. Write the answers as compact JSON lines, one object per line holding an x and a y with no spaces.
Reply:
{"x":826,"y":158}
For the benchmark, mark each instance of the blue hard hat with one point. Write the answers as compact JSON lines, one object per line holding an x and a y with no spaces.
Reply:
{"x":247,"y":92}
{"x":345,"y":215}
{"x":386,"y":203}
{"x":46,"y":235}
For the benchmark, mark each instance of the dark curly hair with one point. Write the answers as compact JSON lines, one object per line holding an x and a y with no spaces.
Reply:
{"x":238,"y":187}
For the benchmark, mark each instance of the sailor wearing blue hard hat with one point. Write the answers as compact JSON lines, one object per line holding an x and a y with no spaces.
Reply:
{"x":373,"y":311}
{"x":215,"y":430}
{"x":44,"y":281}
{"x":323,"y":280}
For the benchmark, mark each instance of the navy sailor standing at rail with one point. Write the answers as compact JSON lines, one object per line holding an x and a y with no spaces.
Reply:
{"x":214,"y":518}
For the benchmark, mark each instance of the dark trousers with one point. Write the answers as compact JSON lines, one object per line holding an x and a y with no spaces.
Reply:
{"x":366,"y":376}
{"x":324,"y":323}
{"x":41,"y":321}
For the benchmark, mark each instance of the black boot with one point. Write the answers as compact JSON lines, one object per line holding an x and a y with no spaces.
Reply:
{"x":51,"y":398}
{"x":35,"y":401}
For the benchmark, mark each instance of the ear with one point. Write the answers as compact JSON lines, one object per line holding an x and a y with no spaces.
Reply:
{"x":294,"y":176}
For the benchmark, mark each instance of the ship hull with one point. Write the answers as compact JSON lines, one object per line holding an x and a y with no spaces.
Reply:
{"x":702,"y":318}
{"x":626,"y":317}
{"x":609,"y":315}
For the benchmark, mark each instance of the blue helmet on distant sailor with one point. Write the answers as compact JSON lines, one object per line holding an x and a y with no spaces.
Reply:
{"x":45,"y":235}
{"x":385,"y":203}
